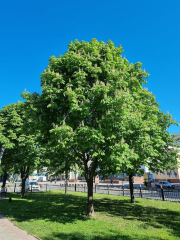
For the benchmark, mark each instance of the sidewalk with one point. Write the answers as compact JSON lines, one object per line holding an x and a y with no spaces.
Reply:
{"x":8,"y":231}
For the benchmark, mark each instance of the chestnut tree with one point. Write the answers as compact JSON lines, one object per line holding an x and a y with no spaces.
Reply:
{"x":93,"y":104}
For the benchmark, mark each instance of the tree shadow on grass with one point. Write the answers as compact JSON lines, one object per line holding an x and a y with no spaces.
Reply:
{"x":61,"y":208}
{"x":47,"y":206}
{"x":110,"y":236}
{"x":151,"y":216}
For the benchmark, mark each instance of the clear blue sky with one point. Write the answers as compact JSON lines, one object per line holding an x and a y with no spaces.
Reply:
{"x":32,"y":31}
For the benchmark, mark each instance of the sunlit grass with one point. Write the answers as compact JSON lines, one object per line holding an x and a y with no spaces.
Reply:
{"x":54,"y":215}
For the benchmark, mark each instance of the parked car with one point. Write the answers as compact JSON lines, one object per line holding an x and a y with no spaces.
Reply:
{"x":165,"y":184}
{"x":34,"y":186}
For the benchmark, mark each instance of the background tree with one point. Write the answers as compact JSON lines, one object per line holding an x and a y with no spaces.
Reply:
{"x":23,"y":153}
{"x":4,"y":143}
{"x":94,"y":97}
{"x":145,"y":140}
{"x":149,"y":140}
{"x":5,"y":169}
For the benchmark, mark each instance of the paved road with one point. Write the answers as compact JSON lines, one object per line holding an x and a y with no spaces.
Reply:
{"x":8,"y":231}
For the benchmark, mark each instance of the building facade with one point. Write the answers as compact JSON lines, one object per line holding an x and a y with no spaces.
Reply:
{"x":170,"y":176}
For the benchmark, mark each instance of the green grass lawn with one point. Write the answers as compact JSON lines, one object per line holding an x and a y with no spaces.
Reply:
{"x":54,"y":215}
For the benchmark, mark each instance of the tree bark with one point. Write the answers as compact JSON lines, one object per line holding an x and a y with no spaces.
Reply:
{"x":90,"y":205}
{"x":23,"y":188}
{"x":66,"y":186}
{"x":4,"y":179}
{"x":89,"y":175}
{"x":24,"y":175}
{"x":131,"y":187}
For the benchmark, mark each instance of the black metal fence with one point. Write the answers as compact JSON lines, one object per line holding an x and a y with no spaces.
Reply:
{"x":154,"y":193}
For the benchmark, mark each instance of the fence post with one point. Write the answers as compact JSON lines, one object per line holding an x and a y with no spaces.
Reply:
{"x":31,"y":188}
{"x":140,"y":191}
{"x":123,"y":188}
{"x":75,"y":187}
{"x":15,"y":187}
{"x":108,"y":188}
{"x":46,"y":186}
{"x":95,"y":188}
{"x":162,"y":192}
{"x":178,"y":194}
{"x":6,"y":192}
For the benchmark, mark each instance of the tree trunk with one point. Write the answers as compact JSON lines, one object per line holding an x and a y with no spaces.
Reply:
{"x":24,"y":176}
{"x":89,"y":174}
{"x":4,"y":179}
{"x":90,"y":205}
{"x":23,"y":188}
{"x":66,"y":186}
{"x":131,"y":187}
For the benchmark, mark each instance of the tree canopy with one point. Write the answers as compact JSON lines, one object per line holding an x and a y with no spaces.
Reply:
{"x":22,"y":152}
{"x":93,"y":102}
